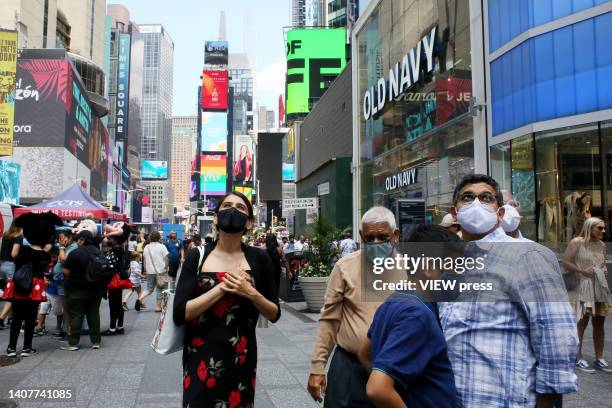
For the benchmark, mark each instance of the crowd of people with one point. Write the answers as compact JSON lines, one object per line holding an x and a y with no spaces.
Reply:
{"x":410,"y":348}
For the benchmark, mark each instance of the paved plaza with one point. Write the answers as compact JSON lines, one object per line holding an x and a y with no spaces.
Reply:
{"x":127,"y":373}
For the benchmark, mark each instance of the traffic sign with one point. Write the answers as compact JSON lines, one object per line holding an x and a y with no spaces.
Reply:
{"x":300,"y":203}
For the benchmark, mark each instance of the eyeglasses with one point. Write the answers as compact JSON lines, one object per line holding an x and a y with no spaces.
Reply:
{"x":485,"y":197}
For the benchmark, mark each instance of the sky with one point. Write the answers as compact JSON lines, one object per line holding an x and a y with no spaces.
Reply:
{"x":252,"y":26}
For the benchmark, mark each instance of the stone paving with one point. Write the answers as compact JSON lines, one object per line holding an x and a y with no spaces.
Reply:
{"x":127,"y":373}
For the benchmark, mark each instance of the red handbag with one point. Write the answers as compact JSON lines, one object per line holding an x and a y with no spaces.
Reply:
{"x":118,"y":283}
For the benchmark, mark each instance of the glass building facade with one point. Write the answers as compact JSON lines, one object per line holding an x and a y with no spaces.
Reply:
{"x":415,"y":149}
{"x":550,"y":136}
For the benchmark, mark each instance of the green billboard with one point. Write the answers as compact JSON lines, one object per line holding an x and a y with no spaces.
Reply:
{"x":315,"y":57}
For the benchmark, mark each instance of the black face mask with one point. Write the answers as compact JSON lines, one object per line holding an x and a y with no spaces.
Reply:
{"x":231,"y":221}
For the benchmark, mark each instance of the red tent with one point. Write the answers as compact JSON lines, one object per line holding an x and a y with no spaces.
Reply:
{"x":73,"y":204}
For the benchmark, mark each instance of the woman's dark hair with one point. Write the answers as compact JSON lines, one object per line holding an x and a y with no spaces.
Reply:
{"x":272,"y":246}
{"x":242,"y":197}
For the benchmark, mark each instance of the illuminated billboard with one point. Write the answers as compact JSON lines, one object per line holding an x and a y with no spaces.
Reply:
{"x":213,"y":177}
{"x":154,"y":170}
{"x":244,"y":157}
{"x":215,"y":53}
{"x":247,"y":191}
{"x":214,"y":132}
{"x":214,"y":90}
{"x":315,"y":57}
{"x":8,"y":76}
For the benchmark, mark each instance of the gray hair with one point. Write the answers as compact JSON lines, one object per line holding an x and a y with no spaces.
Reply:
{"x":378,"y":214}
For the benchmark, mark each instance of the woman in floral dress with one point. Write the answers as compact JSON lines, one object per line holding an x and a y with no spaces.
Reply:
{"x":219,"y":298}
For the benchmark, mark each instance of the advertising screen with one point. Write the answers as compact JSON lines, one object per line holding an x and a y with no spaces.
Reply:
{"x":244,"y":158}
{"x":215,"y":52}
{"x":9,"y":182}
{"x":315,"y":57}
{"x":288,"y":172}
{"x":213,"y":177}
{"x":154,"y":170}
{"x":8,"y":74}
{"x":214,"y":132}
{"x":247,"y":191}
{"x":214,"y":90}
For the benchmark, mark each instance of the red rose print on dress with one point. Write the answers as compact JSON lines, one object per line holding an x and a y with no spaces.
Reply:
{"x":220,"y":308}
{"x":234,"y":399}
{"x":211,"y":382}
{"x":186,"y":382}
{"x":202,"y":371}
{"x":241,"y":346}
{"x":220,"y":276}
{"x":197,"y":342}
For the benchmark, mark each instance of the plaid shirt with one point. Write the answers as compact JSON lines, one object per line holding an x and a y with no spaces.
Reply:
{"x":505,"y":352}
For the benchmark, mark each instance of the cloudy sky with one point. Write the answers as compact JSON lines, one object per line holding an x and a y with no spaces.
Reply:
{"x":254,"y":27}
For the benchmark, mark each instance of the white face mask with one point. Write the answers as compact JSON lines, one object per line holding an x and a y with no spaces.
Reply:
{"x":511,"y":220}
{"x":477,"y":218}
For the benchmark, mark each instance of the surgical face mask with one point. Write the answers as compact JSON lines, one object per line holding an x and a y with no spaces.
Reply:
{"x":231,"y":221}
{"x":378,"y":250}
{"x":477,"y":218}
{"x":511,"y":220}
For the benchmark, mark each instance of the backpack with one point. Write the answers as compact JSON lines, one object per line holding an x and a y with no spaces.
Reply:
{"x":22,"y":279}
{"x":99,"y":272}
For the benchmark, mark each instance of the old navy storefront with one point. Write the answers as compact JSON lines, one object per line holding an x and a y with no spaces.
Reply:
{"x":413,"y":128}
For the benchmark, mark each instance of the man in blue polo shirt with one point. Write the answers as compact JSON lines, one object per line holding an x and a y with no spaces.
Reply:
{"x":406,"y":350}
{"x":174,"y":254}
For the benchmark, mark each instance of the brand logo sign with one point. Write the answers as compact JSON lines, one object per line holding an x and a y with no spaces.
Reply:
{"x":402,"y":179}
{"x":123,"y":90}
{"x":402,"y":76}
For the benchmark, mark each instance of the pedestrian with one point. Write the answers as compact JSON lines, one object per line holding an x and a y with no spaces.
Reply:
{"x":219,"y":301}
{"x":136,"y":278}
{"x":405,"y":350}
{"x":132,"y":243}
{"x":300,"y":245}
{"x":290,"y":245}
{"x":450,"y":223}
{"x":518,"y":347}
{"x":175,"y":254}
{"x":26,"y":296}
{"x":155,"y":262}
{"x":347,"y":245}
{"x":512,"y":218}
{"x":346,"y":316}
{"x":586,"y":257}
{"x":277,"y":255}
{"x":119,"y":262}
{"x":67,"y":245}
{"x":11,"y":243}
{"x":46,"y":307}
{"x":140,"y":241}
{"x":82,"y":299}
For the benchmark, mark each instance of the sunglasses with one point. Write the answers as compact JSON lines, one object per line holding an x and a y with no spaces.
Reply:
{"x":601,"y":228}
{"x":485,"y":197}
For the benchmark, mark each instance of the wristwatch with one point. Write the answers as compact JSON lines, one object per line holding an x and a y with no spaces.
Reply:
{"x":62,"y":248}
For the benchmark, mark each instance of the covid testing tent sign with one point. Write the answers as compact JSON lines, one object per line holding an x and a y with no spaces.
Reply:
{"x":214,"y":132}
{"x":8,"y":75}
{"x":215,"y":90}
{"x":213,"y":174}
{"x":315,"y":57}
{"x":216,"y":53}
{"x":154,"y":170}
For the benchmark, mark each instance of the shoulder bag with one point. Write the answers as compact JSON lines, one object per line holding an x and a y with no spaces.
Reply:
{"x":169,"y":337}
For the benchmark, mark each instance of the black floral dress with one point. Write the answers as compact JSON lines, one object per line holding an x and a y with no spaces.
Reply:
{"x":220,"y":349}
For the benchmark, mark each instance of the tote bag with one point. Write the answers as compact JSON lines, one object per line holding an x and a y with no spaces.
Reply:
{"x":169,"y":337}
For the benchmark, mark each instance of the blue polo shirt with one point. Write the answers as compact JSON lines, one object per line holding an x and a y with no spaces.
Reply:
{"x":174,"y":250}
{"x":408,"y":345}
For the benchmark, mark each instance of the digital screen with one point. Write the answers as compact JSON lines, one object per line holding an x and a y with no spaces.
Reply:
{"x":214,"y":89}
{"x":315,"y":57}
{"x":288,"y":172}
{"x":214,"y":132}
{"x":215,"y":52}
{"x":154,"y":170}
{"x":213,"y":177}
{"x":244,"y":158}
{"x":247,"y":191}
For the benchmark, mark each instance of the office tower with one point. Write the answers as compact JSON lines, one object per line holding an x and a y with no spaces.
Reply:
{"x":241,"y":79}
{"x":35,"y":22}
{"x":157,"y":92}
{"x":86,"y":19}
{"x":184,"y":133}
{"x":298,"y":13}
{"x":343,"y":13}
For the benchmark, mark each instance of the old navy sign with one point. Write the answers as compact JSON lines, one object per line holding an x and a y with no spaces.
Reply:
{"x":402,"y":76}
{"x":403,"y":179}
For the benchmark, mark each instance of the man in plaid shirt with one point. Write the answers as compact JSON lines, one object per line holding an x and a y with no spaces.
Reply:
{"x":515,"y":345}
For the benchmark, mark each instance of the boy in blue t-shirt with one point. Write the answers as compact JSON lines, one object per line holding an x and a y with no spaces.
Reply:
{"x":406,"y":349}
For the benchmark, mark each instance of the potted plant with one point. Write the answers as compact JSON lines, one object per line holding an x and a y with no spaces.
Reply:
{"x":313,"y":278}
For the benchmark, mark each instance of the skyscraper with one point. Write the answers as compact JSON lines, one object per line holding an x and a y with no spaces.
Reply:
{"x":184,"y":133}
{"x":298,"y":13}
{"x":86,"y":18}
{"x":242,"y":81}
{"x":157,"y":92}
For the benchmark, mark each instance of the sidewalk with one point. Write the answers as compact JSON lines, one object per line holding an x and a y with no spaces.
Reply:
{"x":127,"y":373}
